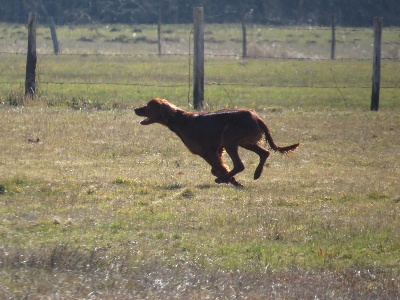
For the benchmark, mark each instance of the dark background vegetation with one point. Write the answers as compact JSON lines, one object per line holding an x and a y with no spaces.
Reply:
{"x":274,"y":12}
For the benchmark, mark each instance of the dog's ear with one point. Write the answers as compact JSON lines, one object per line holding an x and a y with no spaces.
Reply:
{"x":167,"y":111}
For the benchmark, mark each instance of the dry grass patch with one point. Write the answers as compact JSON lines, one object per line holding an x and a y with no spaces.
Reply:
{"x":130,"y":212}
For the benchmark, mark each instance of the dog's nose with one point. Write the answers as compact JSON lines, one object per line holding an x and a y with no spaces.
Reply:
{"x":140,"y":111}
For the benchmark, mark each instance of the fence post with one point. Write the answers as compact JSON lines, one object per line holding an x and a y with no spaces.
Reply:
{"x":31,"y":57}
{"x":333,"y":44}
{"x":244,"y":39}
{"x":198,"y":59}
{"x":376,"y":73}
{"x":159,"y":30}
{"x":54,"y":35}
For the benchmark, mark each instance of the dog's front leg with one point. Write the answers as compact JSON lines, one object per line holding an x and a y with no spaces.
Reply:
{"x":237,"y":167}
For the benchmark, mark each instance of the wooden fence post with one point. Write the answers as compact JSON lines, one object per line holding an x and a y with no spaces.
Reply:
{"x":376,"y":73}
{"x":31,"y":57}
{"x":244,"y":39}
{"x":198,"y":59}
{"x":159,"y":30}
{"x":53,"y":32}
{"x":333,"y":44}
{"x":54,"y":35}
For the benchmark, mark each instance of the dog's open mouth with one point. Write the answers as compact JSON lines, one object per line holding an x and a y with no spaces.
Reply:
{"x":145,"y":121}
{"x":141,"y":112}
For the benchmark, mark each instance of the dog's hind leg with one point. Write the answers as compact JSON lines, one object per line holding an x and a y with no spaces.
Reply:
{"x":263,"y":157}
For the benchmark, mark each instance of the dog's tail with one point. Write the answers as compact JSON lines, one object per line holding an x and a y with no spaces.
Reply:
{"x":275,"y":147}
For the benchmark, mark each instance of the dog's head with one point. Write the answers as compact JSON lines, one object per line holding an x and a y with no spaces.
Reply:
{"x":156,"y":111}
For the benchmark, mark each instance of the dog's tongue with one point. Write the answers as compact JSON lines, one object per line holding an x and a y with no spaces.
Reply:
{"x":145,"y":121}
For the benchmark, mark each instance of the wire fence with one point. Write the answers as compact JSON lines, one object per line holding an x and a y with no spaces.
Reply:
{"x":92,"y":46}
{"x":221,"y":40}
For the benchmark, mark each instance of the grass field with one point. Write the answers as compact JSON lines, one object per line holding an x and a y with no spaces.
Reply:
{"x":101,"y":207}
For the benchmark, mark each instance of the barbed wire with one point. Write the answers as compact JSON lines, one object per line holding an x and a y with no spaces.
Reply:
{"x":206,"y":83}
{"x":236,"y":56}
{"x":306,"y":27}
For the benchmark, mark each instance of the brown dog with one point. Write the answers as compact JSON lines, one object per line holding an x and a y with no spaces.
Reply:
{"x":209,"y":134}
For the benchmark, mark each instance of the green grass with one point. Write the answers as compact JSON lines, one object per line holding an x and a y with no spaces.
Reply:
{"x":102,"y":207}
{"x":338,"y":85}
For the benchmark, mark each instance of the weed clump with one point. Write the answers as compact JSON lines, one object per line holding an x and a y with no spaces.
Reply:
{"x":187,"y":194}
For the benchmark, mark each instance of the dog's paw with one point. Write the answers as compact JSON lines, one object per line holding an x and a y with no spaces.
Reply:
{"x":231,"y":180}
{"x":238,"y":185}
{"x":221,"y":180}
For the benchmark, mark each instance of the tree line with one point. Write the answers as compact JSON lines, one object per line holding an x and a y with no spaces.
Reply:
{"x":273,"y":12}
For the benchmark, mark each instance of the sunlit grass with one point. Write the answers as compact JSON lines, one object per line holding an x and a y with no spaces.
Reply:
{"x":98,"y":182}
